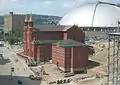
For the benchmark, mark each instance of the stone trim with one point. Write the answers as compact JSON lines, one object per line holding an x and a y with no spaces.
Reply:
{"x":77,"y":69}
{"x":64,"y":69}
{"x":72,"y":69}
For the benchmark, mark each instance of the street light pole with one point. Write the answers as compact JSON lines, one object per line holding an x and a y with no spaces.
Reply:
{"x":12,"y":70}
{"x":11,"y":75}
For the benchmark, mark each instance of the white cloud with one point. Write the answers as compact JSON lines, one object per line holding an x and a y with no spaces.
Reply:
{"x":48,"y":1}
{"x":84,"y":1}
{"x":4,"y":4}
{"x":22,"y":6}
{"x":14,"y":0}
{"x":76,"y":3}
{"x":68,"y":5}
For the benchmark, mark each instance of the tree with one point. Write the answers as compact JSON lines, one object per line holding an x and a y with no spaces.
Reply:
{"x":15,"y":36}
{"x":1,"y":35}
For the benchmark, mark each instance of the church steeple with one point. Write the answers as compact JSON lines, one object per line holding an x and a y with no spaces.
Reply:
{"x":26,"y":20}
{"x":31,"y":18}
{"x":25,"y":33}
{"x":31,"y":22}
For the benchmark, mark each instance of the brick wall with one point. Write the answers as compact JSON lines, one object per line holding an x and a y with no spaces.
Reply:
{"x":33,"y":50}
{"x":47,"y":50}
{"x":58,"y":55}
{"x":45,"y":35}
{"x":25,"y":39}
{"x":80,"y":57}
{"x":68,"y":58}
{"x":75,"y":33}
{"x":44,"y":52}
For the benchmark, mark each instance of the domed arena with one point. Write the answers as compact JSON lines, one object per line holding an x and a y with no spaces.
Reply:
{"x":100,"y":16}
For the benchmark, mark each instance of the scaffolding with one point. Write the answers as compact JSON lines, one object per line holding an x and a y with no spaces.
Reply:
{"x":113,"y":59}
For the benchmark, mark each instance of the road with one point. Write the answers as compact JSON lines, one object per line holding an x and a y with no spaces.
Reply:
{"x":21,"y":72}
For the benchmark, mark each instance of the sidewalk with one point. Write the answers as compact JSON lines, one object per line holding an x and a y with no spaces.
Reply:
{"x":20,"y":67}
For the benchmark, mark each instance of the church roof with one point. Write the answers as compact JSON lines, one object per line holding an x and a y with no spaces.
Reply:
{"x":52,"y":28}
{"x":45,"y":41}
{"x":70,"y":43}
{"x":62,"y":43}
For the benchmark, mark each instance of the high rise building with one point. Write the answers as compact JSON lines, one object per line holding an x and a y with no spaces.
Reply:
{"x":13,"y":21}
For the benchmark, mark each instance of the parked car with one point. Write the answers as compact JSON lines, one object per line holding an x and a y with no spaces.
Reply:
{"x":32,"y":77}
{"x":52,"y":82}
{"x":32,"y":64}
{"x":19,"y":82}
{"x":69,"y":74}
{"x":38,"y":77}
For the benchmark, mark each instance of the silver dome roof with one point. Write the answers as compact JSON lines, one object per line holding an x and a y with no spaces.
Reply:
{"x":93,"y":15}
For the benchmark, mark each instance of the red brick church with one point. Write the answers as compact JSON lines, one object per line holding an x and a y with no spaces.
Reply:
{"x":63,"y":44}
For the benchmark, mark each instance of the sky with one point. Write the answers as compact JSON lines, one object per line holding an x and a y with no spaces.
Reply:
{"x":45,"y":7}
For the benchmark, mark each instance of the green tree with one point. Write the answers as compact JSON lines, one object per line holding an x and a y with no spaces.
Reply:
{"x":15,"y":36}
{"x":1,"y":35}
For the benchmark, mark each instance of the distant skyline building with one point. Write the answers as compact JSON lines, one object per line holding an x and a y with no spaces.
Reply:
{"x":13,"y":21}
